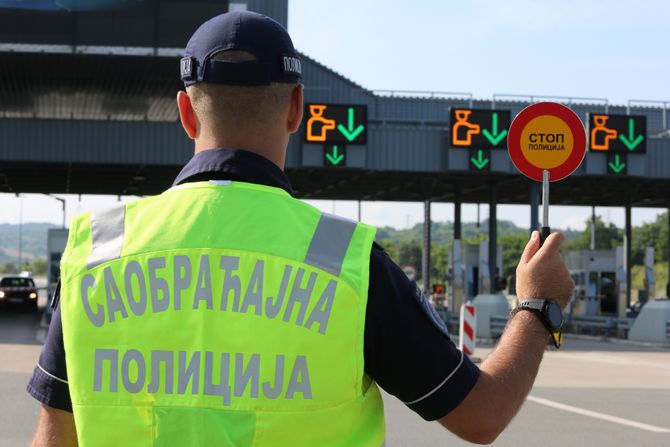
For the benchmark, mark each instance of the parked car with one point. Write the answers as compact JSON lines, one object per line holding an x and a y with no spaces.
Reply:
{"x":19,"y":290}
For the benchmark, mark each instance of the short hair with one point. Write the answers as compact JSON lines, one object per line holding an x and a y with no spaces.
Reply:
{"x":221,"y":108}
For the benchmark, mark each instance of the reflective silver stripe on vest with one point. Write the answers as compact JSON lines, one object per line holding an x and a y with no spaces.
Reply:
{"x":106,"y":235}
{"x":329,"y":243}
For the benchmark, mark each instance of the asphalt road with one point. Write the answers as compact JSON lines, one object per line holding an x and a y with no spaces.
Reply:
{"x":591,"y":393}
{"x":22,"y":333}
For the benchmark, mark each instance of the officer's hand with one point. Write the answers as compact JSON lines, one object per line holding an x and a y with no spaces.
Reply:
{"x":542,"y":273}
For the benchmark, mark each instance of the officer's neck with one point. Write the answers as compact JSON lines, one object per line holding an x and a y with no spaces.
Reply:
{"x":274,"y":149}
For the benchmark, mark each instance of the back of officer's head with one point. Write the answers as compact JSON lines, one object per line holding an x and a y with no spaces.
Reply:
{"x":240,"y":70}
{"x":238,"y":107}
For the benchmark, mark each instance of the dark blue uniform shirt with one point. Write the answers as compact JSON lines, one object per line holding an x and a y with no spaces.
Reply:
{"x":407,"y":349}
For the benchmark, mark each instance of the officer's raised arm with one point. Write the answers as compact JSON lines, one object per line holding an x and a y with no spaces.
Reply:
{"x":507,"y":375}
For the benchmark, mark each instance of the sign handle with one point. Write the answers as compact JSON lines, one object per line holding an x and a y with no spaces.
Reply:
{"x":546,"y":231}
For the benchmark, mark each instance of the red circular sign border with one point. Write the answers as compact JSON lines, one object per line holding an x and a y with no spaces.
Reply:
{"x":578,"y":137}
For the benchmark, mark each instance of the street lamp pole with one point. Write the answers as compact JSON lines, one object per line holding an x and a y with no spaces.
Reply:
{"x":20,"y":231}
{"x":62,"y":202}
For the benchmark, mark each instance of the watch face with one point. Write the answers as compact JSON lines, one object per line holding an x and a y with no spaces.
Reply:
{"x":555,"y":315}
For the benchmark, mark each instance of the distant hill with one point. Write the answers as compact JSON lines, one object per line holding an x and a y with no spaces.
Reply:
{"x":33,"y":241}
{"x":442,"y":232}
{"x":34,"y":236}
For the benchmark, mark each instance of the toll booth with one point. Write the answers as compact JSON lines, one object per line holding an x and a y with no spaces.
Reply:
{"x":470,"y":273}
{"x":649,"y":278}
{"x":457,"y":278}
{"x":56,"y":242}
{"x":600,"y":281}
{"x":599,"y":276}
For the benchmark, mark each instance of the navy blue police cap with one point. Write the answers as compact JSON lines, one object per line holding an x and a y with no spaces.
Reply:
{"x":276,"y":58}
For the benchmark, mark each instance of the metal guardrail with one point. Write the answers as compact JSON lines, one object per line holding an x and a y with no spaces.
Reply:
{"x":498,"y":323}
{"x":665,"y":105}
{"x":570,"y":100}
{"x":624,"y":324}
{"x":462,"y":96}
{"x":450,"y":318}
{"x":592,"y":324}
{"x":453,"y":322}
{"x":595,"y":323}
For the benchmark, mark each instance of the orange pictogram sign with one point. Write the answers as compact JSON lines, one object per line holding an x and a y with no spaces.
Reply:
{"x":479,"y":128}
{"x":318,"y":125}
{"x":601,"y":135}
{"x":339,"y":124}
{"x":617,"y":133}
{"x":463,"y":129}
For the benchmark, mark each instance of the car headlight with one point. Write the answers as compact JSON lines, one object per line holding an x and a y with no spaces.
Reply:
{"x":2,"y":294}
{"x":32,"y":295}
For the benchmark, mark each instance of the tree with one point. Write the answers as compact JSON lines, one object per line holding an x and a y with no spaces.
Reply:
{"x":513,"y":245}
{"x":9,"y":268}
{"x":38,"y":267}
{"x":651,"y":234}
{"x":439,"y":261}
{"x":409,"y":252}
{"x":403,"y":252}
{"x":390,"y":247}
{"x":607,"y":237}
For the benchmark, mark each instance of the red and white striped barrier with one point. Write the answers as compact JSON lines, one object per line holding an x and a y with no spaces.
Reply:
{"x":467,"y":329}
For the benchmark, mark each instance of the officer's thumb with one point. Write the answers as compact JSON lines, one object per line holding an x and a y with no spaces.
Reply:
{"x":532,"y":247}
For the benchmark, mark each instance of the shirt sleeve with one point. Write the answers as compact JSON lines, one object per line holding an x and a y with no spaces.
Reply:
{"x":408,"y":351}
{"x":49,"y":381}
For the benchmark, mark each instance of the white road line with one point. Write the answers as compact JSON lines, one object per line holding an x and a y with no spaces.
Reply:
{"x":613,"y":360}
{"x":593,"y":414}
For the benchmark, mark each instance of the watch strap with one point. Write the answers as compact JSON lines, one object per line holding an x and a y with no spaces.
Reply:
{"x":536,"y":306}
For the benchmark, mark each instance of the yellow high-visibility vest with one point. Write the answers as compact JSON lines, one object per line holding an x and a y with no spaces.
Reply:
{"x":218,"y":314}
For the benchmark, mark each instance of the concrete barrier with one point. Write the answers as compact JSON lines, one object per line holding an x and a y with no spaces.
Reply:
{"x":651,"y":323}
{"x":488,"y":305}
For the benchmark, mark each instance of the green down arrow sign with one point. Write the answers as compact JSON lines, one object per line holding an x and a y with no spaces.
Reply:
{"x":617,"y":165}
{"x":494,"y":137}
{"x":632,"y":141}
{"x":480,"y":162}
{"x":350,"y":132}
{"x":334,"y":157}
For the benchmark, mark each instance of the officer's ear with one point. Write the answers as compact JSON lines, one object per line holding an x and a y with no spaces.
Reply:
{"x":295,"y":110}
{"x":187,"y":115}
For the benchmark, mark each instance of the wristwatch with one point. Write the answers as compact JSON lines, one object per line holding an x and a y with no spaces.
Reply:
{"x":549,"y":313}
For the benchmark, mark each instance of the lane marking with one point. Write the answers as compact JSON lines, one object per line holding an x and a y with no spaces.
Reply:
{"x":600,"y":358}
{"x":596,"y":415}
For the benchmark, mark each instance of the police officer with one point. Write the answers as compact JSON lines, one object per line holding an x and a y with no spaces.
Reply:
{"x":226,"y":312}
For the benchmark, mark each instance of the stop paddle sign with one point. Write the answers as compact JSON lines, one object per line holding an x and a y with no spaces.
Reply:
{"x":546,"y":137}
{"x":546,"y":143}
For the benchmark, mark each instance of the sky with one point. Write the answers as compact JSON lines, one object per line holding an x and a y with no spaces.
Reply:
{"x":572,"y":48}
